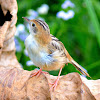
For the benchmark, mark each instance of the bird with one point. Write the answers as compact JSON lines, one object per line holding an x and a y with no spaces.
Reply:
{"x":46,"y":51}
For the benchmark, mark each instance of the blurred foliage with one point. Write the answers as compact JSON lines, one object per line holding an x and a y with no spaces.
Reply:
{"x":80,"y":34}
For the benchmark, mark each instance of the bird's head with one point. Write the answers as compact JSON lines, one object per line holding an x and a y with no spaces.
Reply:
{"x":39,"y":29}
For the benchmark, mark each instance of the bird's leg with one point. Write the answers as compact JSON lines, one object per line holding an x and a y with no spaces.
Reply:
{"x":54,"y":85}
{"x":38,"y":73}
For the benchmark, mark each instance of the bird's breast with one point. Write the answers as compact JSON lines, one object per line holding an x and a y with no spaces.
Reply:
{"x":31,"y":45}
{"x":37,"y":54}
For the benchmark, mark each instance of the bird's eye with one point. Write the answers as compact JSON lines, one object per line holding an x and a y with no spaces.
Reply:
{"x":33,"y":24}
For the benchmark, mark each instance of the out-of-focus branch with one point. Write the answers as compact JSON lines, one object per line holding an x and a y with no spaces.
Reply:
{"x":16,"y":84}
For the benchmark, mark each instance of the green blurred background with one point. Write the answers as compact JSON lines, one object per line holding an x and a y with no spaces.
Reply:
{"x":74,"y":22}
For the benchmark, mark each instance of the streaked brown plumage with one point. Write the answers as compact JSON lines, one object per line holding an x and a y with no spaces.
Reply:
{"x":46,"y":51}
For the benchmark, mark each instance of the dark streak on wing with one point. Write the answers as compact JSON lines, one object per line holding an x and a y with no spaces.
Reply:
{"x":57,"y":45}
{"x":54,"y":38}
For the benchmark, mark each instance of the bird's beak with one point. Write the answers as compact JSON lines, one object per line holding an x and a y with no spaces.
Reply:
{"x":28,"y":20}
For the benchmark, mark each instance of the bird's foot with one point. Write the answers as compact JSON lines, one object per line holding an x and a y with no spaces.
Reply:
{"x":38,"y":73}
{"x":54,"y":85}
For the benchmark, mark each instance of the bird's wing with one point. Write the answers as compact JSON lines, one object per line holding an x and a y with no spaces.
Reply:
{"x":56,"y":46}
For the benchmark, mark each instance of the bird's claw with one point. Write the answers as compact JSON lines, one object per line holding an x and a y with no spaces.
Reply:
{"x":38,"y":73}
{"x":54,"y":85}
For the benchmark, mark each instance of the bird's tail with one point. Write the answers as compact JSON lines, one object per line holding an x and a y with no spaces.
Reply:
{"x":78,"y":67}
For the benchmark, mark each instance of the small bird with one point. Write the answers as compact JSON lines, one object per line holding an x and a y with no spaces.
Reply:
{"x":46,"y":51}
